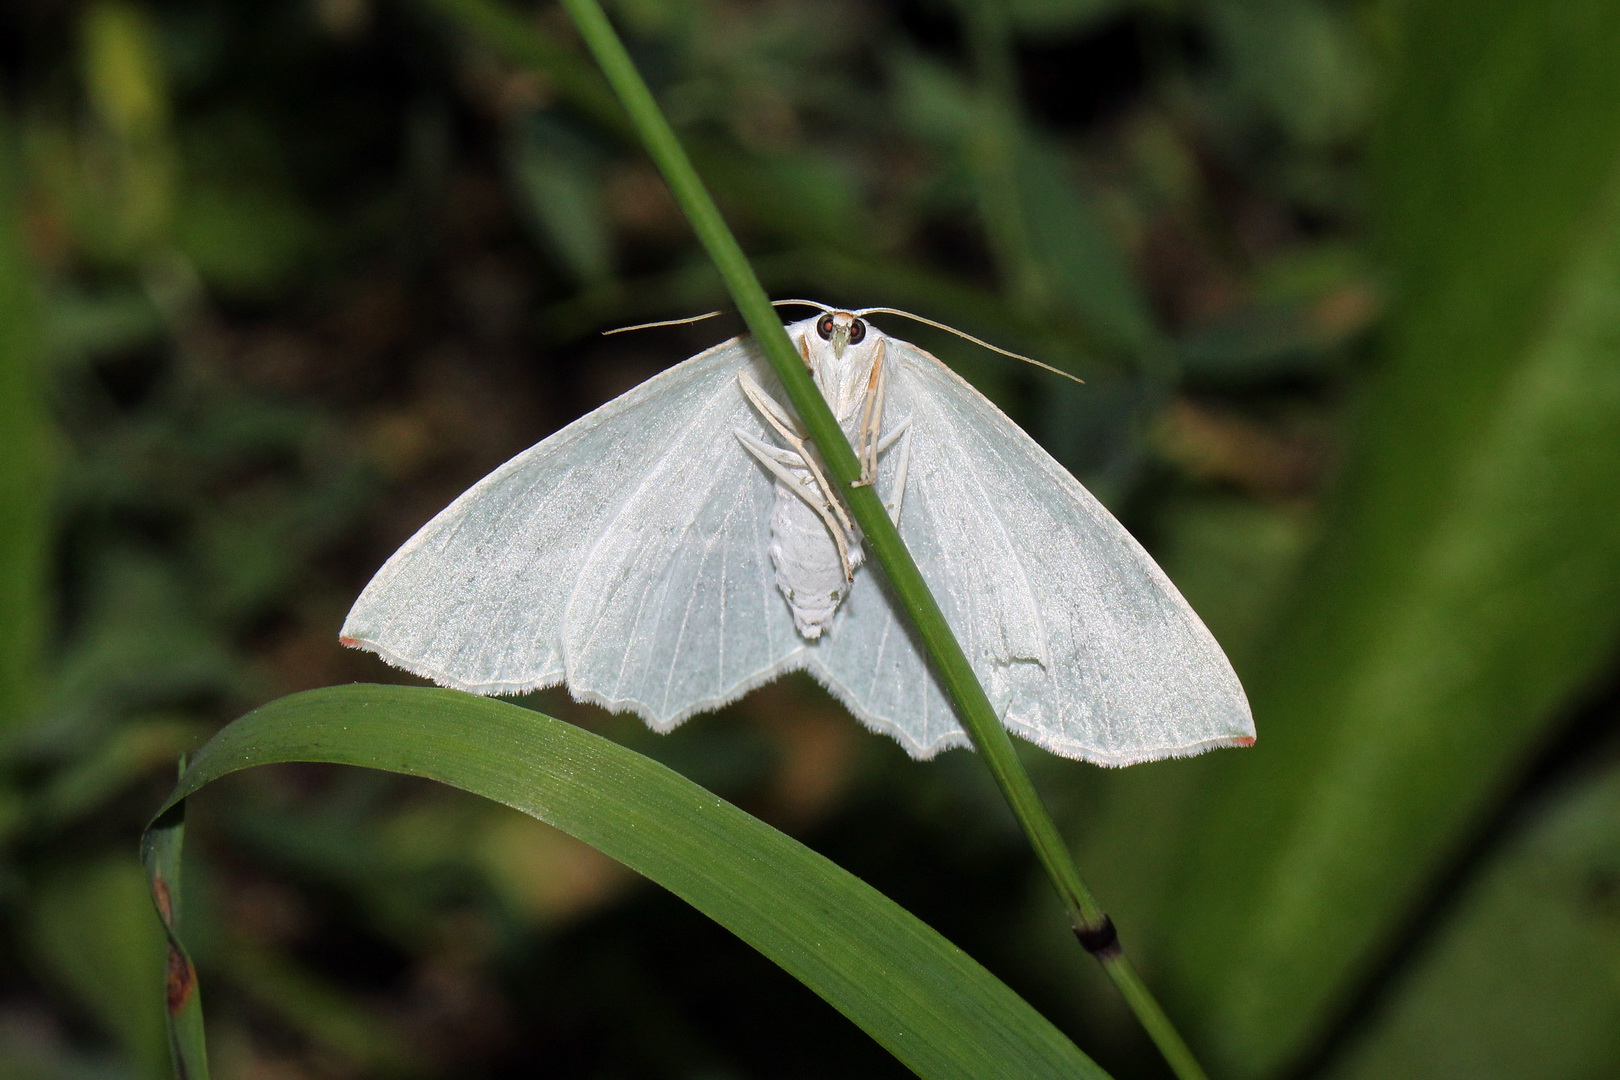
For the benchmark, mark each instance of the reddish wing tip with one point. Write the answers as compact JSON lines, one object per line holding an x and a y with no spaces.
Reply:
{"x":1246,"y":740}
{"x":354,"y":643}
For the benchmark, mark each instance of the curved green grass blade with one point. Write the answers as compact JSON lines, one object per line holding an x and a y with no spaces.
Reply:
{"x":924,"y":1000}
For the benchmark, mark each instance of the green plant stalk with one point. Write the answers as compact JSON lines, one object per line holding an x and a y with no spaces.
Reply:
{"x":973,"y":706}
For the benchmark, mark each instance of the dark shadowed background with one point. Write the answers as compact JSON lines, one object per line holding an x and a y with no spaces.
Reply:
{"x":278,"y":280}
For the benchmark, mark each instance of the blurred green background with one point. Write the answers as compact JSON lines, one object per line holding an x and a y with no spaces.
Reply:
{"x":278,"y":280}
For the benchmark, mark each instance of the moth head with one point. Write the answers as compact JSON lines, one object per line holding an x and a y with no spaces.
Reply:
{"x":841,"y":329}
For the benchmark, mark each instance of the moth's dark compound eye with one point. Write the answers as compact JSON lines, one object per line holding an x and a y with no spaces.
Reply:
{"x":824,"y":326}
{"x":857,"y":331}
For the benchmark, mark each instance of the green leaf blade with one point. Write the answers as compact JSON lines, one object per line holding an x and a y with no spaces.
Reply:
{"x":1463,"y":594}
{"x":920,"y":997}
{"x":1523,"y":980}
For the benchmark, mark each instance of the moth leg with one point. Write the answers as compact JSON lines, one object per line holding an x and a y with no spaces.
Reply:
{"x":769,"y":409}
{"x":785,"y":459}
{"x":872,"y":419}
{"x":901,"y":431}
{"x":781,"y":463}
{"x":774,"y":415}
{"x":893,"y":437}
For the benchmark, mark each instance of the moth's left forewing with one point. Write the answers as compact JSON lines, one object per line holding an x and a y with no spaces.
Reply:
{"x":477,"y":598}
{"x":1127,"y":670}
{"x":676,"y":611}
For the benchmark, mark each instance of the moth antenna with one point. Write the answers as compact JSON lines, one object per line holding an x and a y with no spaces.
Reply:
{"x":662,"y":322}
{"x":710,"y":315}
{"x":968,"y":337}
{"x":817,"y":304}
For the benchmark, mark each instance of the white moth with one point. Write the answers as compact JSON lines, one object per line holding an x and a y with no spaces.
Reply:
{"x":682,"y":545}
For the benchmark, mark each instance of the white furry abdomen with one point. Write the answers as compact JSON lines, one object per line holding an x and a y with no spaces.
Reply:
{"x":808,"y":569}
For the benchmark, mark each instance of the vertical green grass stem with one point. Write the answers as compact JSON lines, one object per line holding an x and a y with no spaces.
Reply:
{"x":972,"y":705}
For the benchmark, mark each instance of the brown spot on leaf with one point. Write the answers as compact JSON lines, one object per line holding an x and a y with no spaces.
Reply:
{"x":165,"y":901}
{"x":182,"y":980}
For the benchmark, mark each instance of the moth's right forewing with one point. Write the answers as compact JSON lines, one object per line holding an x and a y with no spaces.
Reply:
{"x":477,"y":598}
{"x":968,"y":554}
